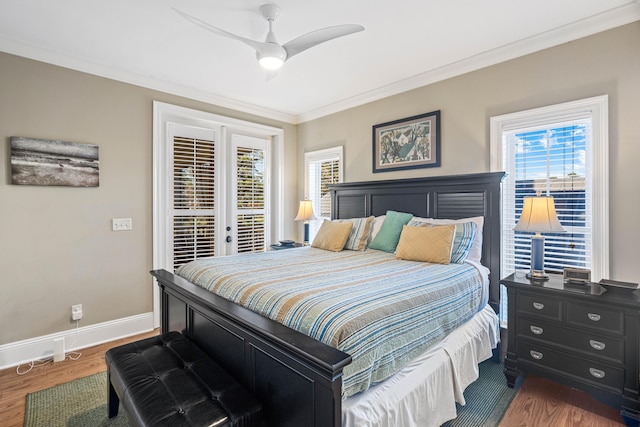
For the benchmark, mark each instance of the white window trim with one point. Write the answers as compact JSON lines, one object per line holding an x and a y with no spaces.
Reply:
{"x":163,"y":114}
{"x":597,"y":108}
{"x":319,"y":156}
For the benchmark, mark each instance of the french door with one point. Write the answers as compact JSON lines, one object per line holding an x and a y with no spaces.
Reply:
{"x":217,"y":187}
{"x":218,"y":192}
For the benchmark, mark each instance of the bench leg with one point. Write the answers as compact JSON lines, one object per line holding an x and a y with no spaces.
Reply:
{"x":113,"y":401}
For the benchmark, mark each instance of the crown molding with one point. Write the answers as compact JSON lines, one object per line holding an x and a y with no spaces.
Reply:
{"x":579,"y":29}
{"x":614,"y":18}
{"x":56,"y":58}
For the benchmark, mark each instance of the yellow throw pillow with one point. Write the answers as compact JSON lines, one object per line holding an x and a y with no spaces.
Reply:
{"x":332,"y":236}
{"x":426,"y":244}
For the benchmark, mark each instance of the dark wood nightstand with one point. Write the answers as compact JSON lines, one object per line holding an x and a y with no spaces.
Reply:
{"x":577,"y":336}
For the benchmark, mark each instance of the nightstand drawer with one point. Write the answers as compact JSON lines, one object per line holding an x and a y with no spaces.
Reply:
{"x":586,"y":370}
{"x":589,"y":343}
{"x":605,"y":319}
{"x":539,"y":306}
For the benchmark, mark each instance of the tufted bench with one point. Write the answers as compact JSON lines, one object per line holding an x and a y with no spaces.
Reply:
{"x":168,"y":381}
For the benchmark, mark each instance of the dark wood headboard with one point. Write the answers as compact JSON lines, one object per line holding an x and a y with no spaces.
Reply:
{"x":453,"y":197}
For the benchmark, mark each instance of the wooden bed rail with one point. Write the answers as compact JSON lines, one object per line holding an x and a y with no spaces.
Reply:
{"x":297,"y":378}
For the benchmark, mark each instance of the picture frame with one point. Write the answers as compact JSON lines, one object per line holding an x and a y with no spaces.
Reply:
{"x":410,"y":143}
{"x":54,"y":163}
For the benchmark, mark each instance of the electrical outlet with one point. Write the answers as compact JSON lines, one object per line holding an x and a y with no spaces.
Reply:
{"x":76,"y":312}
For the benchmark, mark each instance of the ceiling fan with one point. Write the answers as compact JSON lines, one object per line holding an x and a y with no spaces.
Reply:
{"x":270,"y":54}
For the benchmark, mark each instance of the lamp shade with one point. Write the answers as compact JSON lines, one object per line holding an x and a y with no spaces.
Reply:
{"x":305,"y":211}
{"x":539,"y":216}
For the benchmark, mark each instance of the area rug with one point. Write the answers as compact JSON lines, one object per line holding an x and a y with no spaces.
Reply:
{"x":487,"y":399}
{"x":83,"y":403}
{"x":78,"y":403}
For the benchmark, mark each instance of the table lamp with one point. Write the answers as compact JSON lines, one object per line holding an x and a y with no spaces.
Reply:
{"x":538,"y":216}
{"x":305,"y":213}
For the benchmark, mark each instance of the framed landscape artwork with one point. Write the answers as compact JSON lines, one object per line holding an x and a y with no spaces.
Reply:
{"x":57,"y":163}
{"x":409,"y":143}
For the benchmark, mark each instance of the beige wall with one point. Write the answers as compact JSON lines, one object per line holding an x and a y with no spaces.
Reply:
{"x":56,"y":243}
{"x":606,"y":63}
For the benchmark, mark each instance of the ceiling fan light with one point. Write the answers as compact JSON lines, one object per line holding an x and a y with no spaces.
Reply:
{"x":272,"y":56}
{"x":271,"y":62}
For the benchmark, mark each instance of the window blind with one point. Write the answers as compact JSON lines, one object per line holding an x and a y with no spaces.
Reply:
{"x":250,"y":201}
{"x":550,"y":160}
{"x":193,"y":199}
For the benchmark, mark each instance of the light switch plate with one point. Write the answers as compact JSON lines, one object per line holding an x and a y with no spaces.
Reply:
{"x":121,"y":224}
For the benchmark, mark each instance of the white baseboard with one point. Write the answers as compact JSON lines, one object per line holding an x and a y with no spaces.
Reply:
{"x":17,"y":353}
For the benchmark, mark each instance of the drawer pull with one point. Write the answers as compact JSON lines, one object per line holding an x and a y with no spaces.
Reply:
{"x":593,"y":316}
{"x":538,"y":305}
{"x":536,"y":330}
{"x":597,"y":344}
{"x":596,"y":373}
{"x":536,"y":354}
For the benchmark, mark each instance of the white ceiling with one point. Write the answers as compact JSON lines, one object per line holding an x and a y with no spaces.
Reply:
{"x":406,"y":44}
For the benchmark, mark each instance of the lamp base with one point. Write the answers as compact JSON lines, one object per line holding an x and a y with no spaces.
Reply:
{"x":537,"y":259}
{"x":306,"y":234}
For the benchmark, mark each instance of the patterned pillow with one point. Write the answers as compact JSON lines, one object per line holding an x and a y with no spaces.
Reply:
{"x":389,"y":234}
{"x":332,"y":235}
{"x":464,"y":238}
{"x":463,"y":241}
{"x":426,"y":244}
{"x":360,"y":233}
{"x":475,"y":253}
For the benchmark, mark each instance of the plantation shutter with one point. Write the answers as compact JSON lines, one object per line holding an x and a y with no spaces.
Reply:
{"x":193,"y":199}
{"x":549,"y":159}
{"x":323,"y":168}
{"x":250,"y":200}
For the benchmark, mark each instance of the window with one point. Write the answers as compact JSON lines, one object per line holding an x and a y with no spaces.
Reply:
{"x":561,"y":151}
{"x":322,"y":167}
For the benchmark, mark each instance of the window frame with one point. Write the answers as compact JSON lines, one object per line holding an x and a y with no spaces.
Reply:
{"x":318,"y":156}
{"x":597,"y":109}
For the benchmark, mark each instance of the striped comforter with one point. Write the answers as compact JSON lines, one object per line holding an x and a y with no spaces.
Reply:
{"x":382,"y":311}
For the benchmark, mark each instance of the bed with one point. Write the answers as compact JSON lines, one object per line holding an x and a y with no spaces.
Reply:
{"x":300,"y":379}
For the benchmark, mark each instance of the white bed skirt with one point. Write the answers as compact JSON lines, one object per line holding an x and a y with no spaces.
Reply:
{"x":424,"y":393}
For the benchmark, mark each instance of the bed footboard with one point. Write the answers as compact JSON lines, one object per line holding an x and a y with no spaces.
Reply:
{"x":296,"y":378}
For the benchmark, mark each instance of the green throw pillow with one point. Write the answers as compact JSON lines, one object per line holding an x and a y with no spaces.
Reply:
{"x":389,"y":234}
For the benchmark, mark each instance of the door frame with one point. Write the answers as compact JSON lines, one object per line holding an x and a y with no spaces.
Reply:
{"x":163,"y":114}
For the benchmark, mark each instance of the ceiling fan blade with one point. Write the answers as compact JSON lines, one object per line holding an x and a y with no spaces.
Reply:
{"x":257,"y":45}
{"x":316,"y":37}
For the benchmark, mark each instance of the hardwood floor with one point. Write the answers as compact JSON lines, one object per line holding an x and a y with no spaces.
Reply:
{"x":541,"y":403}
{"x":14,"y":387}
{"x":538,"y":403}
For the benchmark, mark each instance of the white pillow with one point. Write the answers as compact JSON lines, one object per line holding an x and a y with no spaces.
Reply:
{"x":475,"y":253}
